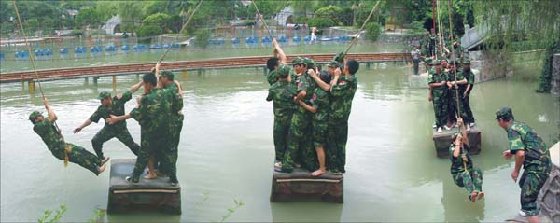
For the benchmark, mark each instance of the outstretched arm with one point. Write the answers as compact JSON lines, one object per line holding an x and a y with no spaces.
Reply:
{"x":136,"y":86}
{"x":313,"y":73}
{"x":279,"y":52}
{"x":83,"y":125}
{"x":52,"y":115}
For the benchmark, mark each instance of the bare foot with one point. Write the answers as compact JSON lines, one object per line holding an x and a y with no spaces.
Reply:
{"x":100,"y":169}
{"x":150,"y":176}
{"x":473,"y":196}
{"x":318,"y":172}
{"x":480,"y":195}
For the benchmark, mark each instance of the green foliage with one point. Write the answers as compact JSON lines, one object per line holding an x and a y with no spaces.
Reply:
{"x":237,"y":205}
{"x":88,"y":16}
{"x":131,"y":14}
{"x":48,"y":216}
{"x":333,"y":13}
{"x":321,"y":22}
{"x":373,"y":30}
{"x":201,"y":38}
{"x":98,"y":216}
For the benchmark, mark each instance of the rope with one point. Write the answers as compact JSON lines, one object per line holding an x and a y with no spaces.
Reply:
{"x":362,"y":28}
{"x":182,"y":28}
{"x":441,"y":43}
{"x":262,"y":19}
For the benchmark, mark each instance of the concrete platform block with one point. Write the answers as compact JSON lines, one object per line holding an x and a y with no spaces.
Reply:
{"x":300,"y":185}
{"x":442,"y":141}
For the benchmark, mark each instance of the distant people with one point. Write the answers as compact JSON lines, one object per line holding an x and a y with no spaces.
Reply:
{"x":111,"y":106}
{"x":415,"y":59}
{"x":462,"y":170}
{"x":530,"y":152}
{"x":320,"y":107}
{"x":437,"y":83}
{"x":466,"y":89}
{"x":281,"y":93}
{"x":313,"y":35}
{"x":52,"y":137}
{"x":432,"y":43}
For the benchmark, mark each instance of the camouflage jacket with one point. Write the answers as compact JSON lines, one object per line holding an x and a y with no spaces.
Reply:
{"x":51,"y":137}
{"x":470,"y":79}
{"x":282,"y":95}
{"x":320,"y":101}
{"x":457,"y":162}
{"x":271,"y":77}
{"x":174,"y":98}
{"x":341,"y":98}
{"x":116,"y":109}
{"x":153,"y":114}
{"x":523,"y":137}
{"x":459,"y":76}
{"x":437,"y":78}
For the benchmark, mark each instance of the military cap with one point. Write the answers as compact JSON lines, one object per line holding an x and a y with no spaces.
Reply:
{"x":103,"y":95}
{"x":297,"y":60}
{"x":466,"y":61}
{"x":282,"y":71}
{"x":34,"y":115}
{"x":309,"y":62}
{"x":504,"y":112}
{"x":168,"y":74}
{"x":334,"y":64}
{"x":339,"y":57}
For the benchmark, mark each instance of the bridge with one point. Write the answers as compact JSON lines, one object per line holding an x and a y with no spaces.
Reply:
{"x":233,"y":62}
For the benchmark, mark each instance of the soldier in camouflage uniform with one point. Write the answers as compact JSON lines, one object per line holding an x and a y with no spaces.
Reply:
{"x":282,"y":93}
{"x":467,"y":88}
{"x":529,"y":151}
{"x":152,"y":113}
{"x":454,"y":79}
{"x":320,"y":106}
{"x":278,"y":58}
{"x":301,"y":119}
{"x":49,"y":133}
{"x":343,"y":87}
{"x":173,"y":95}
{"x":111,"y":106}
{"x":462,"y":170}
{"x":437,"y":84}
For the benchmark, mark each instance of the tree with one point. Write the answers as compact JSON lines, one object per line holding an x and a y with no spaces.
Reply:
{"x":155,"y":24}
{"x":131,"y":13}
{"x":87,"y":17}
{"x":512,"y":21}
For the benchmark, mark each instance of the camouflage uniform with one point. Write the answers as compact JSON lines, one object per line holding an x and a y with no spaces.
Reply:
{"x":439,"y":98}
{"x":153,"y":117}
{"x":320,"y":123}
{"x":471,"y":178}
{"x":299,"y":146}
{"x":466,"y":108}
{"x":271,"y":77}
{"x":281,"y":94}
{"x":537,"y":164}
{"x":452,"y":96}
{"x":341,"y":98}
{"x":117,"y":130}
{"x":169,"y":154}
{"x":57,"y":146}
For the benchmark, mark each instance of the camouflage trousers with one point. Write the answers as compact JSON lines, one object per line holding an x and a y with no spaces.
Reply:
{"x":531,"y":183}
{"x":440,"y":110}
{"x":79,"y":155}
{"x":169,"y":153}
{"x":151,"y":145}
{"x":336,"y":145}
{"x":466,"y":110}
{"x":299,"y":142}
{"x":452,"y":111}
{"x":280,"y":135}
{"x":470,"y":180}
{"x":108,"y":133}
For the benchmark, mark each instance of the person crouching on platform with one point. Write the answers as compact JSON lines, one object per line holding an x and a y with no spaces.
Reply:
{"x":462,"y":170}
{"x":49,"y":133}
{"x":320,"y":107}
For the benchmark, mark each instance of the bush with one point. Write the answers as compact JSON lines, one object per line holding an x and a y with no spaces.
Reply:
{"x":149,"y":30}
{"x":373,"y":30}
{"x":321,"y":22}
{"x":201,"y":38}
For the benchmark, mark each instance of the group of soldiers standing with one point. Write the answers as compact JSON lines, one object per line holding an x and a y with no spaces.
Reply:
{"x":159,"y":113}
{"x":311,"y":109}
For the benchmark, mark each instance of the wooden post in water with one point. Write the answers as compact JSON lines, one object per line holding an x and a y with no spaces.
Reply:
{"x":31,"y":86}
{"x":114,"y":84}
{"x":264,"y":71}
{"x":95,"y":80}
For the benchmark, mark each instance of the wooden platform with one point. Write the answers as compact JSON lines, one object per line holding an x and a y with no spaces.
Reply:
{"x":442,"y":141}
{"x":147,"y":195}
{"x":300,"y":185}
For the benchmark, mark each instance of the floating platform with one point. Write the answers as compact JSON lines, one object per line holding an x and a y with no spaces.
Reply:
{"x":442,"y":141}
{"x":300,"y":185}
{"x":146,"y":195}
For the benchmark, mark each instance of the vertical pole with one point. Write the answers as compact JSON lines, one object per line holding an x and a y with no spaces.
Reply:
{"x":95,"y":80}
{"x":31,"y":86}
{"x":114,"y":84}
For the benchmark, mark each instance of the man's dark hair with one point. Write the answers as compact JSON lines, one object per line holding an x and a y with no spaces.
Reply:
{"x":353,"y":66}
{"x":150,"y":78}
{"x":272,"y":63}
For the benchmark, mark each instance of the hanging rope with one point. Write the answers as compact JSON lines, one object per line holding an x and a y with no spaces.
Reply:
{"x":67,"y":148}
{"x":262,"y":18}
{"x":362,"y":28}
{"x":440,"y":34}
{"x":182,"y":29}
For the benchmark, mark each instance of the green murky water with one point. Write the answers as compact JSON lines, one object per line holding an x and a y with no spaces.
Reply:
{"x":226,"y":151}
